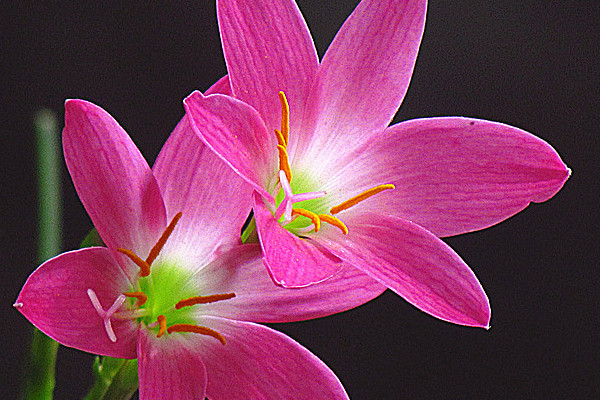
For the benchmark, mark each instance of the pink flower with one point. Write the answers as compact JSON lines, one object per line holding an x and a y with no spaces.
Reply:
{"x":332,"y":181}
{"x":186,"y":310}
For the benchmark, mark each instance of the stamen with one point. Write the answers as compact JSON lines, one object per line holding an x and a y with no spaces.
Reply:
{"x":330,"y":219}
{"x":106,"y":315}
{"x":163,"y":239}
{"x":284,"y":162}
{"x":196,"y":329}
{"x":308,"y":214}
{"x":280,"y":138}
{"x":203,"y":300}
{"x":285,"y":118}
{"x":140,"y":296}
{"x":144,"y":266}
{"x":162,"y":325}
{"x":363,"y":196}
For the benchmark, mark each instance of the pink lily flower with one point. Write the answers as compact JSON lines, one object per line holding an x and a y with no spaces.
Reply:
{"x":186,"y":311}
{"x":333,"y":182}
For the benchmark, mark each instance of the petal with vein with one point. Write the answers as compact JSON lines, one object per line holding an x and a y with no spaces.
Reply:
{"x":257,"y":299}
{"x":170,"y":367}
{"x":55,"y":300}
{"x":112,"y":178}
{"x":413,"y":263}
{"x":235,"y":131}
{"x":211,"y":196}
{"x":260,"y":363}
{"x":453,"y":175}
{"x":293,"y":262}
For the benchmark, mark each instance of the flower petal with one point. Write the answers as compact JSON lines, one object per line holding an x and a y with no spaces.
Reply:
{"x":262,"y":364}
{"x":413,"y":263}
{"x":365,"y":73}
{"x":235,"y":131}
{"x":112,"y":179}
{"x":222,"y":86}
{"x":210,"y":195}
{"x":292,"y":262}
{"x":268,"y":48}
{"x":454,"y":175}
{"x":55,"y":300}
{"x":257,"y":299}
{"x":170,"y":367}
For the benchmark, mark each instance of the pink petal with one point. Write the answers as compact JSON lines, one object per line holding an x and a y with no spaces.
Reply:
{"x":292,"y":262}
{"x":170,"y":367}
{"x":112,"y":179}
{"x":259,"y":363}
{"x":454,"y":175}
{"x":210,"y":195}
{"x":257,"y":299}
{"x":365,"y":72}
{"x":55,"y":300}
{"x":234,"y":131}
{"x":222,"y":86}
{"x":413,"y":263}
{"x":268,"y":48}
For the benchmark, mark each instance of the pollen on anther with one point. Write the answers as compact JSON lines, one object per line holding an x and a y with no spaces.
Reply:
{"x":285,"y":118}
{"x":284,"y":163}
{"x":144,"y":266}
{"x":309,"y":214}
{"x":196,"y":329}
{"x":360,"y":197}
{"x":162,"y":325}
{"x":163,"y":239}
{"x":203,"y":300}
{"x":140,"y":296}
{"x":330,"y":219}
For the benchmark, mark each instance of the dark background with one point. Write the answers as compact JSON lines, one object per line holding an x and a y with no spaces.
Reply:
{"x":532,"y":64}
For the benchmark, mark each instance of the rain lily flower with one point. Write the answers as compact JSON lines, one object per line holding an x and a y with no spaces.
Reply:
{"x":174,"y":287}
{"x":333,"y":182}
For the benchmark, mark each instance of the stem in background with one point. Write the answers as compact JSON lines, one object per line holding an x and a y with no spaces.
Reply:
{"x":40,"y":368}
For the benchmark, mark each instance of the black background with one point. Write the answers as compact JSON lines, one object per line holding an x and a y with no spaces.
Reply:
{"x":531,"y":64}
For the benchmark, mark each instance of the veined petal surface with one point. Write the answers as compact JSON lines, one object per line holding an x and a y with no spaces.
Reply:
{"x":413,"y":263}
{"x":453,"y":175}
{"x":257,"y":299}
{"x":292,"y":261}
{"x":259,"y":363}
{"x":268,"y":48}
{"x":213,"y":199}
{"x":112,"y":178}
{"x":236,"y":132}
{"x":170,"y":367}
{"x":55,"y":300}
{"x":365,"y":74}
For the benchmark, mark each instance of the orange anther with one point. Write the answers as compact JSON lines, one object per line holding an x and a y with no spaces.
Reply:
{"x":280,"y":138}
{"x":285,"y":118}
{"x":163,"y":239}
{"x":140,"y":296}
{"x":196,"y":329}
{"x":284,"y":163}
{"x":144,"y":266}
{"x":330,"y":219}
{"x":203,"y":300}
{"x":358,"y":198}
{"x":162,"y":325}
{"x":309,"y":214}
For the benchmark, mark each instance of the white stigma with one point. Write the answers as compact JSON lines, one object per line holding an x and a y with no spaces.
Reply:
{"x":285,"y":208}
{"x":106,"y":315}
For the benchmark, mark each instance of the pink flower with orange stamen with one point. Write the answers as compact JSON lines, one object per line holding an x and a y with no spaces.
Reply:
{"x":174,"y":286}
{"x":334,"y":183}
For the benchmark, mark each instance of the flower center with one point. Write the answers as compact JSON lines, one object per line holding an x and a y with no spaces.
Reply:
{"x":151,"y":303}
{"x":302,"y":220}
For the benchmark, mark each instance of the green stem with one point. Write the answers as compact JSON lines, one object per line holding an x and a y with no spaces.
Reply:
{"x":116,"y":379}
{"x":40,"y":368}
